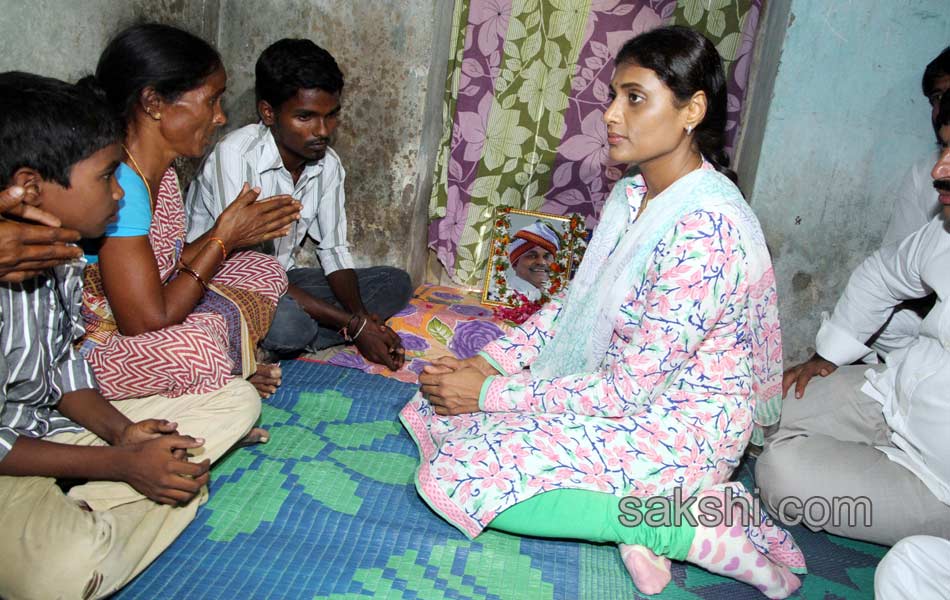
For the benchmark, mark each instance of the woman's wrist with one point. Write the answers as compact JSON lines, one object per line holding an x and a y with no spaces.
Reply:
{"x":483,"y":393}
{"x":184,"y":268}
{"x":217,"y":243}
{"x":485,"y":366}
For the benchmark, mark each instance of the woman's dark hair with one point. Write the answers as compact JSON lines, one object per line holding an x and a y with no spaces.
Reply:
{"x":289,"y":65}
{"x":50,"y":125}
{"x":687,"y":62}
{"x":167,"y":59}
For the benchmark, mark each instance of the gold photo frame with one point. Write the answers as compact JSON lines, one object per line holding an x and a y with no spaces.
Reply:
{"x":532,"y":256}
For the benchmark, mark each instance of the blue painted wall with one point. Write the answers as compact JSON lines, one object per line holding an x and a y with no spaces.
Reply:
{"x":846,"y":120}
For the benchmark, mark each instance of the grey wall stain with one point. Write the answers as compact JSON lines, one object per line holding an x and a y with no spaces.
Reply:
{"x":801,"y":281}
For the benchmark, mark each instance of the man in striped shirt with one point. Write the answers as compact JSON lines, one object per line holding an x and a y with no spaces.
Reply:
{"x":142,"y":490}
{"x":298,"y":86}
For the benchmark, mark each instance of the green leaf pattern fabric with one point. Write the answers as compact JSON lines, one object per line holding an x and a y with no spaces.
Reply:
{"x":527,"y":86}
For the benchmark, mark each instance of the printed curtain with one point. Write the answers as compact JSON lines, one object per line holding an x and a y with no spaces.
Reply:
{"x":528,"y":83}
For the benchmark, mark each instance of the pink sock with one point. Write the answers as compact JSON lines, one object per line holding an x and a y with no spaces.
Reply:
{"x":741,"y":550}
{"x":650,"y":573}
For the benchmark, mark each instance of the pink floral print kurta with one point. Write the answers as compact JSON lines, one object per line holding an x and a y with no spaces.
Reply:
{"x":672,"y":405}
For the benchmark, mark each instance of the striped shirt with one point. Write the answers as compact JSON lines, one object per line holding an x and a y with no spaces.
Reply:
{"x":39,"y":322}
{"x":250,"y":154}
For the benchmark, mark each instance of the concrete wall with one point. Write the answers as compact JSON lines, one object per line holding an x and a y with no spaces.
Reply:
{"x":63,"y":38}
{"x":845,"y":120}
{"x":392,"y":52}
{"x":393,"y":55}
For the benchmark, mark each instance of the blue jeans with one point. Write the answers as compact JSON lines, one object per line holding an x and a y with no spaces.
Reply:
{"x":384,"y":291}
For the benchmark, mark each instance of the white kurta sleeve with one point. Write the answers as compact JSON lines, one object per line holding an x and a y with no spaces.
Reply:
{"x":884,"y":280}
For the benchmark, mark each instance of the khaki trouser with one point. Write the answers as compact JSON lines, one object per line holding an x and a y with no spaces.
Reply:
{"x":53,"y":548}
{"x":825,"y":448}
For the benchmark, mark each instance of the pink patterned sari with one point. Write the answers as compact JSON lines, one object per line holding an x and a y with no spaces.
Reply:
{"x":215,"y":343}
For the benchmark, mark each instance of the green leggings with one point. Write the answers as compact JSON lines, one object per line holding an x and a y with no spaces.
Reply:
{"x":595,"y":517}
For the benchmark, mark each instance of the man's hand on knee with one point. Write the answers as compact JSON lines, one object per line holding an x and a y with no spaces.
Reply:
{"x":801,"y":374}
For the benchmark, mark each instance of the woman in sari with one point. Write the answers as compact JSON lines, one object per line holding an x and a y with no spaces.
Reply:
{"x":648,"y":377}
{"x":163,"y":316}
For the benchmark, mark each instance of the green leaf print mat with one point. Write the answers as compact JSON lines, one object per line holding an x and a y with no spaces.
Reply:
{"x":328,"y":509}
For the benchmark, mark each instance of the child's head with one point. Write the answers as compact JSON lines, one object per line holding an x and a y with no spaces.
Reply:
{"x":65,"y":140}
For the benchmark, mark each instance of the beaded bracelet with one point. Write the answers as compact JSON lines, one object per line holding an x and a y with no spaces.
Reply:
{"x":224,"y":249}
{"x":186,"y":269}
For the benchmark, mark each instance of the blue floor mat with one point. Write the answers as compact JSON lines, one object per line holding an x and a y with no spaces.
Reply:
{"x":327,"y":509}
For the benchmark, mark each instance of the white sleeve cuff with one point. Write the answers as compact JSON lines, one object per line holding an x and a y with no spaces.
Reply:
{"x":838,"y":345}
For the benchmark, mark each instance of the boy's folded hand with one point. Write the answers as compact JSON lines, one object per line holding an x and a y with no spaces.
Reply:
{"x":146,"y":430}
{"x":155,"y":469}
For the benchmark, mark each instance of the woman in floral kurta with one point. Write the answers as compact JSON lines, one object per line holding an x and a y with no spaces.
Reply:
{"x":649,"y":375}
{"x":672,"y":405}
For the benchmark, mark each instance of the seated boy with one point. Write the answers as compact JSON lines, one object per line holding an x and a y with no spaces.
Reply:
{"x":142,"y":487}
{"x":298,"y":86}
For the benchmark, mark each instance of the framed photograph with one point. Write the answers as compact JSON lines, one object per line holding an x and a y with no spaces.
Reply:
{"x":532,"y":256}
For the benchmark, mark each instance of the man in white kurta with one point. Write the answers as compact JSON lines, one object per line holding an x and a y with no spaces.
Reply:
{"x":915,"y":205}
{"x":883,"y":433}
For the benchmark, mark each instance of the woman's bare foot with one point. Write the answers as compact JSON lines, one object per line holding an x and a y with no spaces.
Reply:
{"x":266,"y":379}
{"x":258,"y":435}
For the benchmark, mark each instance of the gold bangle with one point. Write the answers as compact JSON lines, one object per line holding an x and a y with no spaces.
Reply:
{"x":224,"y":249}
{"x":186,"y":269}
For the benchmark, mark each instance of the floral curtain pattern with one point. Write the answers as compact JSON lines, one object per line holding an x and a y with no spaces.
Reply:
{"x":528,"y":82}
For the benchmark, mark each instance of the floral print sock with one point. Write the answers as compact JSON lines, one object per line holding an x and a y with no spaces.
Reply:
{"x":739,"y":549}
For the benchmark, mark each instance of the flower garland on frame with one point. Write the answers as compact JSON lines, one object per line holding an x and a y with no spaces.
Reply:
{"x":516,"y":307}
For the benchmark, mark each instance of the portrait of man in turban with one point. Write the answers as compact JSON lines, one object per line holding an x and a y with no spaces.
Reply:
{"x":530,"y":254}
